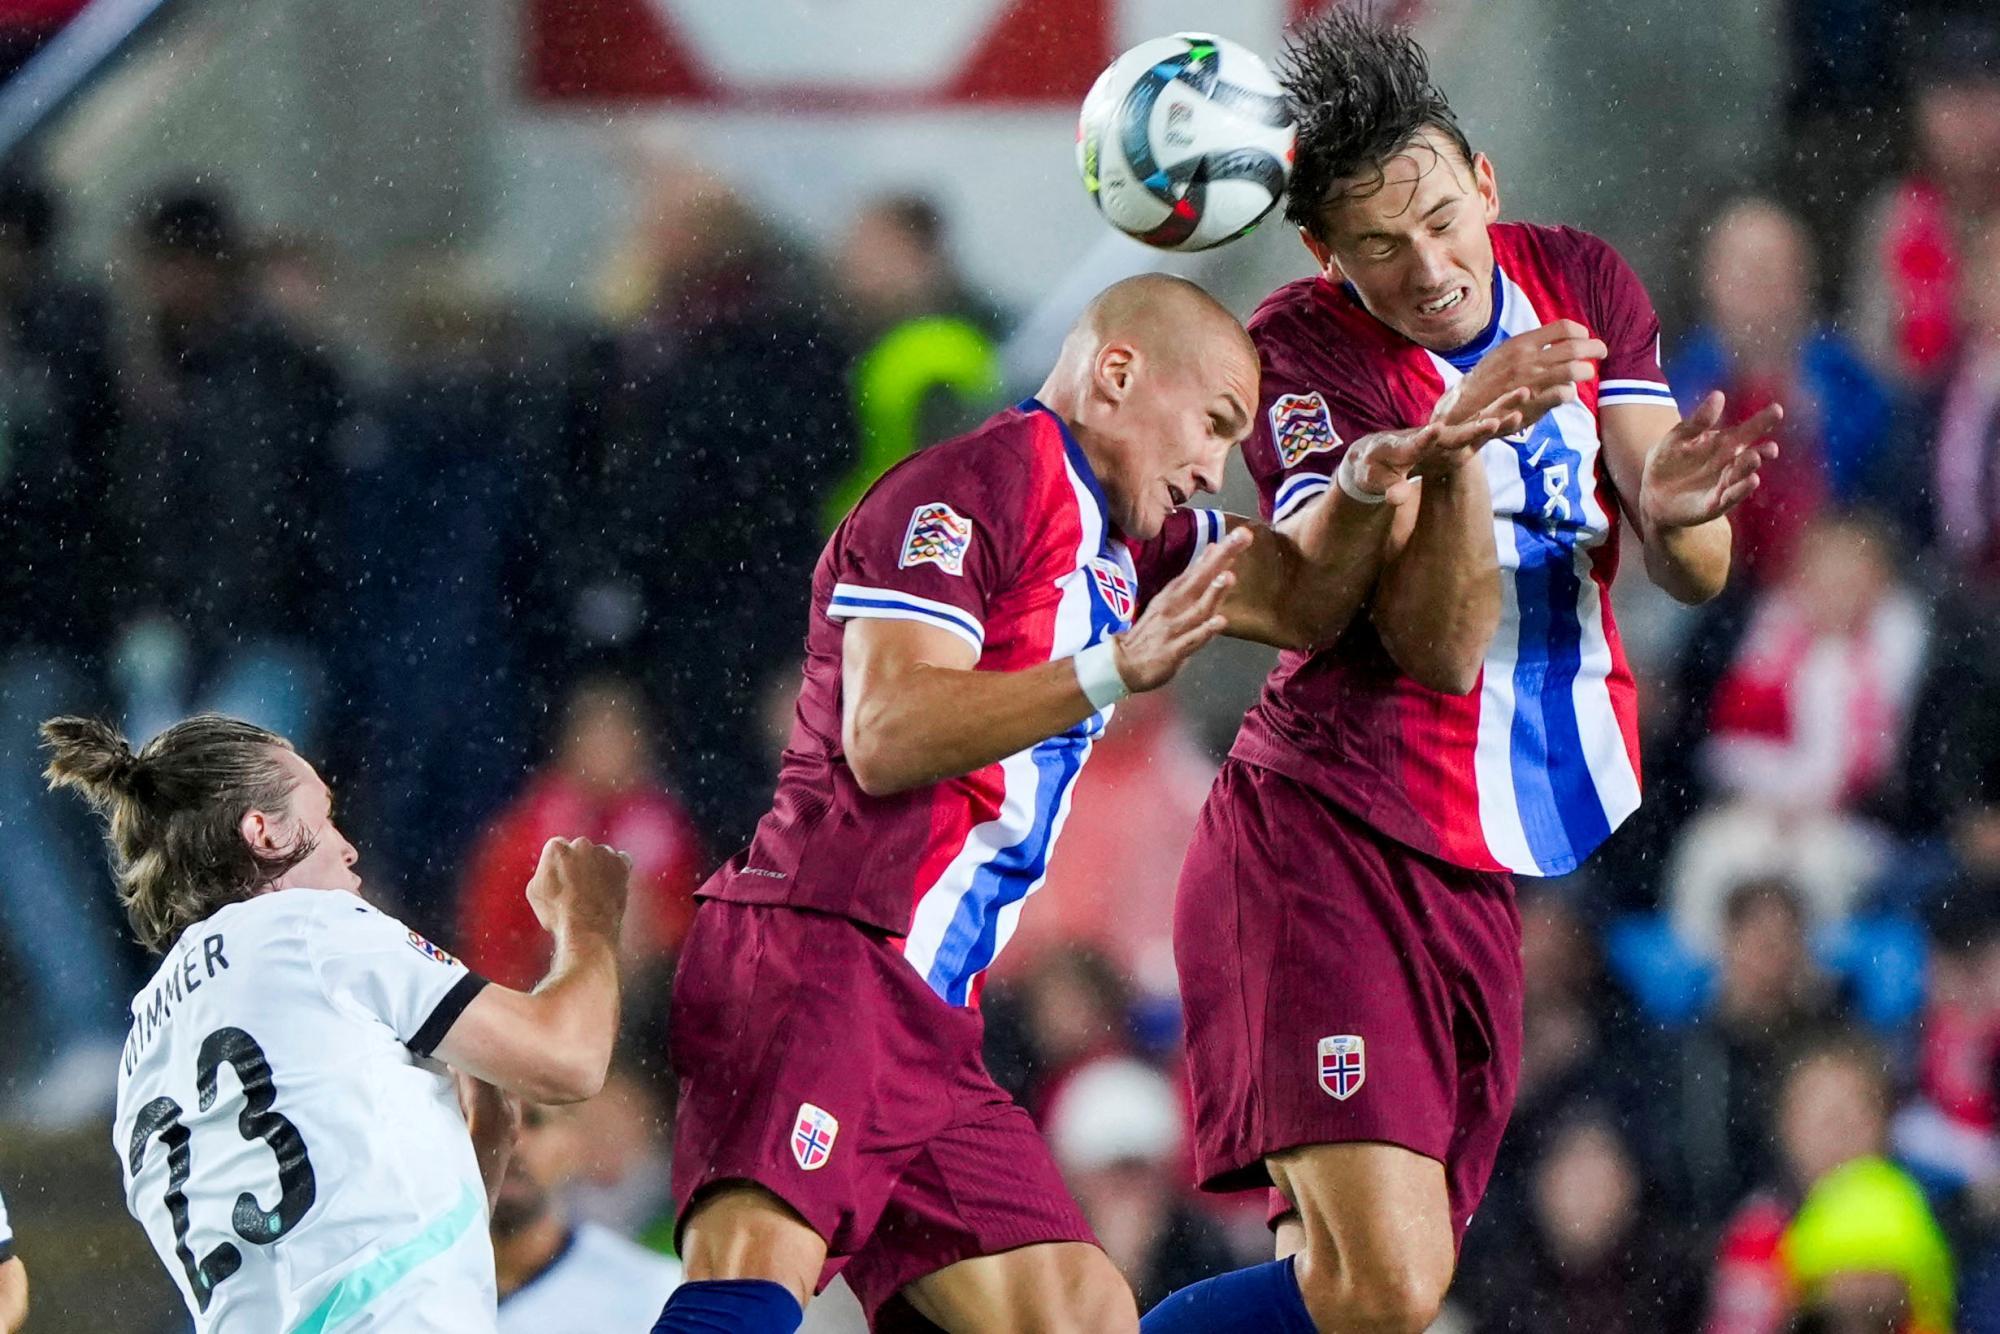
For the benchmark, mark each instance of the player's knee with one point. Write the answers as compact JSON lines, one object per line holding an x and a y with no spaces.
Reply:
{"x":1401,"y":1295}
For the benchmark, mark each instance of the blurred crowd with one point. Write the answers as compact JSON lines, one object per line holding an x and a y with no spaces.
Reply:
{"x":503,"y":578}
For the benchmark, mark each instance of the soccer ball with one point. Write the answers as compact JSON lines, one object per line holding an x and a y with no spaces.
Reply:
{"x":1185,"y":141}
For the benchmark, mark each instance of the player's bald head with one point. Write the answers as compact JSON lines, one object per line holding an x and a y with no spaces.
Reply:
{"x":1158,"y":381}
{"x":1165,"y":317}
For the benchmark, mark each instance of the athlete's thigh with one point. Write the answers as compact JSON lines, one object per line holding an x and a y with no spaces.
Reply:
{"x":981,"y":1216}
{"x":1376,"y":1209}
{"x":1055,"y":1287}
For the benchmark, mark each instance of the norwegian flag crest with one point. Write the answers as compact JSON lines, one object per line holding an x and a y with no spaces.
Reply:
{"x":1301,"y":425}
{"x":812,"y":1136}
{"x":1114,"y":586}
{"x":1343,"y":1065}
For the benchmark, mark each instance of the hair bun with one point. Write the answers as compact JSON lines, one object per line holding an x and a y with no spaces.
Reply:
{"x":91,"y":756}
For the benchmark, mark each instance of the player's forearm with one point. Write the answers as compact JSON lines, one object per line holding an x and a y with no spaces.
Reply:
{"x":580,"y":997}
{"x":1437,"y":603}
{"x":1336,"y":555}
{"x":1690,"y":564}
{"x":13,"y":1295}
{"x":932,"y":723}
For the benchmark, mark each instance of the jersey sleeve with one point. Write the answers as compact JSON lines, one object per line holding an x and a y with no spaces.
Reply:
{"x":1624,"y":318}
{"x":934,"y":542}
{"x":1307,"y":411}
{"x":6,"y":1234}
{"x":1185,"y":535}
{"x":369,"y":960}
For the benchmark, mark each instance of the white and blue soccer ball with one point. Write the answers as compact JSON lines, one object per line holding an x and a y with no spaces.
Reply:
{"x":1185,"y":141}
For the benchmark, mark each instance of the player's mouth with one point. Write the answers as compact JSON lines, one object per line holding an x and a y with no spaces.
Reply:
{"x":1449,"y":301}
{"x":1178,"y":496}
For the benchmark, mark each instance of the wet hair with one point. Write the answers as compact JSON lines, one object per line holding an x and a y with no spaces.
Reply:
{"x":172,"y":813}
{"x":1361,"y":91}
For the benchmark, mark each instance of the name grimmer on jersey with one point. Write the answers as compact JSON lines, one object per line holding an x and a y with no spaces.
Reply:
{"x":289,"y":1020}
{"x":168,"y":992}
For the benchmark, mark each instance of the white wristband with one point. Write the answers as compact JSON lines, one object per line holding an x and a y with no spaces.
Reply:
{"x":1352,"y":489}
{"x":1097,"y":672}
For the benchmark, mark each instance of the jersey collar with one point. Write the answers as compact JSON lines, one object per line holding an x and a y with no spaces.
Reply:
{"x":1078,"y":461}
{"x":1461,"y":358}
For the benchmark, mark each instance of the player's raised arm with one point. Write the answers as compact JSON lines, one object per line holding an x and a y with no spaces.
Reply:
{"x":553,"y":1044}
{"x":914,"y":710}
{"x":1680,"y":479}
{"x":1300,"y":582}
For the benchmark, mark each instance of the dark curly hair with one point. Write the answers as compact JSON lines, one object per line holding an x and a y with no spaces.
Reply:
{"x":1360,"y":90}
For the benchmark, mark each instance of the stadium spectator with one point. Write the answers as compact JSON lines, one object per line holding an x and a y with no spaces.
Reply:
{"x":687,"y":524}
{"x":1951,"y":776}
{"x":55,"y":392}
{"x":1965,"y":462}
{"x":1838,"y":1217}
{"x":1807,"y":728}
{"x":558,"y":1275}
{"x":1594,"y":1258}
{"x":1111,"y":882}
{"x":928,"y":368}
{"x":600,"y":784}
{"x":454,"y":445}
{"x":1762,"y":343}
{"x":1719,"y":1082}
{"x":1948,"y":1132}
{"x":223,"y":487}
{"x":1911,"y":261}
{"x":1580,"y":1048}
{"x":1119,"y":1136}
{"x":1076,"y":1008}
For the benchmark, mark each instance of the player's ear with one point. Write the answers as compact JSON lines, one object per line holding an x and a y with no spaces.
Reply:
{"x":1488,"y":185}
{"x":255,"y":827}
{"x":1116,"y":366}
{"x":1322,"y":255}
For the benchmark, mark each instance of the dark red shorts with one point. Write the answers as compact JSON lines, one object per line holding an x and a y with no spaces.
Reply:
{"x":1341,"y":987}
{"x":816,"y":1063}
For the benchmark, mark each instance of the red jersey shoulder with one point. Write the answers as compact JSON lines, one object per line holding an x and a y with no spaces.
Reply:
{"x":939,"y":501}
{"x":1582,"y":275}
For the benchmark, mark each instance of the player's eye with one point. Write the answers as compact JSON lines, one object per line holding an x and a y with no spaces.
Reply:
{"x":1441,"y":226}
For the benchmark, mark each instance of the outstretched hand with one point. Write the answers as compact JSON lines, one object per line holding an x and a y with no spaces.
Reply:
{"x":1181,"y":618}
{"x":1385,"y":463}
{"x":1549,"y":362}
{"x":1700,"y":470}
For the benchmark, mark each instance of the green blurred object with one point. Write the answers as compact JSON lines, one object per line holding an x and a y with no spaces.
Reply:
{"x":1868,"y":1216}
{"x":893,"y":382}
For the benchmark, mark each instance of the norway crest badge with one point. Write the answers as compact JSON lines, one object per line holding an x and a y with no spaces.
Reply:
{"x":1343,"y":1065}
{"x":1301,"y":425}
{"x":812,"y":1136}
{"x":939,"y":535}
{"x":1115,"y":587}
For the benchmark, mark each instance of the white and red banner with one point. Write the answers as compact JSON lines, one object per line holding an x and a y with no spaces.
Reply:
{"x":807,"y":54}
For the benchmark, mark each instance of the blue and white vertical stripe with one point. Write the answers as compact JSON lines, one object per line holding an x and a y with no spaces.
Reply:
{"x":963,"y":920}
{"x":1552,"y":770}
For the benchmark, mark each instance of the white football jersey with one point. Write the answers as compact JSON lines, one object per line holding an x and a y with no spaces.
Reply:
{"x":6,"y":1234}
{"x":298,"y":1161}
{"x":600,"y":1283}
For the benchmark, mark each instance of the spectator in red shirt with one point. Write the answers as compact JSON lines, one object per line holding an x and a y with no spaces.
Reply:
{"x":601,"y":784}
